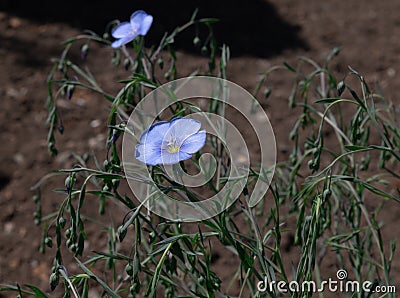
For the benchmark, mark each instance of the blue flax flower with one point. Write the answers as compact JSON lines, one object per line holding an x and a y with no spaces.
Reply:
{"x":170,"y":142}
{"x":127,"y":31}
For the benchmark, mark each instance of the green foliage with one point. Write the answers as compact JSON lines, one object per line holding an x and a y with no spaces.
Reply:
{"x":326,"y":184}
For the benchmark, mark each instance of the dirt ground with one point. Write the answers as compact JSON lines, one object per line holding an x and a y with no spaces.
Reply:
{"x":260,"y":34}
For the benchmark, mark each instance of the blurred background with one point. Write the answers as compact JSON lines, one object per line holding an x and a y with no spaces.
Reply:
{"x":260,"y":34}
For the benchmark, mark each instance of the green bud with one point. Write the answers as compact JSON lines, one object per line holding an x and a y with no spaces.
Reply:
{"x":52,"y":149}
{"x":132,"y":290}
{"x":122,"y":233}
{"x":267,"y":92}
{"x":129,"y":269}
{"x":310,"y":164}
{"x":200,"y":280}
{"x":327,"y":194}
{"x":68,"y":233}
{"x":106,"y":164}
{"x":115,"y":182}
{"x":36,"y":198}
{"x":62,"y":222}
{"x":136,"y":285}
{"x":54,"y":280}
{"x":74,"y":248}
{"x":49,"y":242}
{"x":69,"y":183}
{"x":70,"y":91}
{"x":84,"y":51}
{"x":340,"y":88}
{"x":61,"y":128}
{"x":196,"y":41}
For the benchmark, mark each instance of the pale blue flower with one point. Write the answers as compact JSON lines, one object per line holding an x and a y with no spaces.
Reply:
{"x":170,"y":142}
{"x":127,"y":31}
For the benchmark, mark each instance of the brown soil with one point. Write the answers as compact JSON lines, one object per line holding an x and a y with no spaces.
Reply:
{"x":260,"y":34}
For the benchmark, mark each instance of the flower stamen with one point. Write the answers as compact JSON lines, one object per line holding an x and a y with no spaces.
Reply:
{"x":172,"y":145}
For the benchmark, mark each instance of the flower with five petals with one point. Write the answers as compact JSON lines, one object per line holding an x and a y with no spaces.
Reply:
{"x":170,"y":142}
{"x":127,"y":31}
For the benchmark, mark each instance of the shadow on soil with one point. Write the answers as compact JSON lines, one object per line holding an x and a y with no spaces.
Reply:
{"x":250,"y":28}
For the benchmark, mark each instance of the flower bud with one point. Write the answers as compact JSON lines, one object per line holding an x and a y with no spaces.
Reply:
{"x":69,"y":183}
{"x":129,"y":269}
{"x":115,"y":182}
{"x":115,"y":136}
{"x":327,"y":194}
{"x":200,"y":280}
{"x":196,"y":41}
{"x":70,"y":91}
{"x":68,"y":233}
{"x":106,"y":164}
{"x":48,"y":242}
{"x":267,"y":92}
{"x":340,"y":88}
{"x":62,"y":222}
{"x":74,"y":248}
{"x":36,"y":198}
{"x":54,"y":280}
{"x":84,"y":51}
{"x":52,"y":149}
{"x":122,"y":233}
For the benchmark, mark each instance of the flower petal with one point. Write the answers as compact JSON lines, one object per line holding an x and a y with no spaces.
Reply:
{"x":182,"y":128}
{"x":149,"y":154}
{"x":122,"y":41}
{"x":146,"y":24}
{"x":122,"y":30}
{"x":173,"y":158}
{"x":155,"y":133}
{"x":141,"y":22}
{"x":194,"y":142}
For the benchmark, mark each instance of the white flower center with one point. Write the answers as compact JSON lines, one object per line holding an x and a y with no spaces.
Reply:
{"x":173,"y":145}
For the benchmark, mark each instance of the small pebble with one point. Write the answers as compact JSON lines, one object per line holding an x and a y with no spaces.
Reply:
{"x":9,"y":227}
{"x":19,"y":158}
{"x":95,"y":123}
{"x":391,"y":72}
{"x":15,"y":22}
